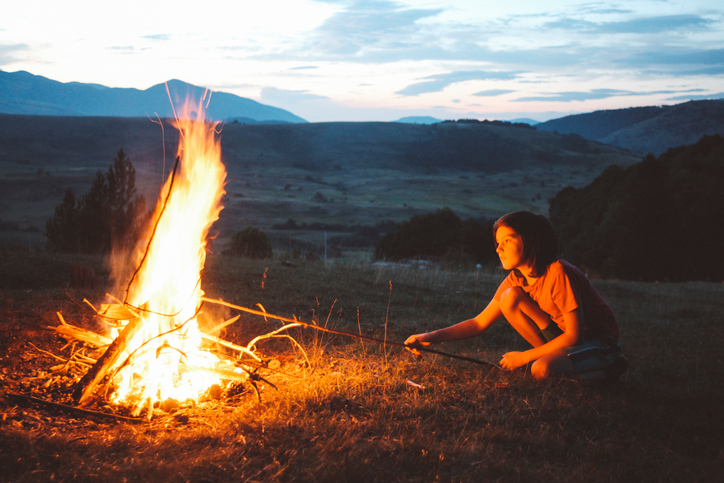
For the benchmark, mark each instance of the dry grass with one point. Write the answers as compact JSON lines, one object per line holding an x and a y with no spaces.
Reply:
{"x":352,"y":416}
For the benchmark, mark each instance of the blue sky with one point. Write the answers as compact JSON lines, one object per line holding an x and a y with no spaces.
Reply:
{"x":379,"y":60}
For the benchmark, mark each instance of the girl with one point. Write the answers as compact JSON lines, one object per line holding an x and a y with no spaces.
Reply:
{"x":547,"y":301}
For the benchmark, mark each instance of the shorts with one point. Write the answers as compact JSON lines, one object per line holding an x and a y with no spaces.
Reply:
{"x":593,"y":354}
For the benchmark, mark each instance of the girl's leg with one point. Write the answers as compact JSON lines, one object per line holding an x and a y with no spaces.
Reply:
{"x":557,"y":363}
{"x":524,"y":315}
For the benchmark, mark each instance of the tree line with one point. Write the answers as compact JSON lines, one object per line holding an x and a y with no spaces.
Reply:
{"x":660,"y":219}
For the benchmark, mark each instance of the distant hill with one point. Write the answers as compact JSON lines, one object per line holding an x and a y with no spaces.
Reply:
{"x":643,"y":130}
{"x":419,"y":120}
{"x":331,"y":173}
{"x":525,"y":120}
{"x":25,"y":93}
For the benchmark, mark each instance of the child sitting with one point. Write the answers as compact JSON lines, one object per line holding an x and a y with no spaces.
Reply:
{"x":549,"y":302}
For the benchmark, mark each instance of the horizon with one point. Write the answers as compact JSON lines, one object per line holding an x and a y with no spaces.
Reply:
{"x":366,"y":60}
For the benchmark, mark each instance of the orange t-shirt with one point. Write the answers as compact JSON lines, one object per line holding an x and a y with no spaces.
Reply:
{"x":562,"y":289}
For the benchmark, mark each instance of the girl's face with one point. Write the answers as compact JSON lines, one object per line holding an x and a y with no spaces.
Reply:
{"x":509,"y":248}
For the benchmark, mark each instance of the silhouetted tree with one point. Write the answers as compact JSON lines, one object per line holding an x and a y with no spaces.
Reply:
{"x":110,"y":213}
{"x":658,"y":219}
{"x":62,"y":229}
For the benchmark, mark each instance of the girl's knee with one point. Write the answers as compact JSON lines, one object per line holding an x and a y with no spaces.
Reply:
{"x":540,"y":369}
{"x":510,"y":298}
{"x":554,"y":364}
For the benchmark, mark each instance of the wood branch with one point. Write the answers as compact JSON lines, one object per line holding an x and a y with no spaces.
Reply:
{"x":72,"y":409}
{"x":85,"y":387}
{"x":230,"y":345}
{"x":84,"y":335}
{"x":223,"y":324}
{"x":221,"y":373}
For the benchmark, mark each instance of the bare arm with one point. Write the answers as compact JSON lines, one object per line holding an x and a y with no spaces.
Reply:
{"x":463,"y":330}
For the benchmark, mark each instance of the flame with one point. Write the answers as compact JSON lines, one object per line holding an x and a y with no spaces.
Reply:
{"x":165,"y":359}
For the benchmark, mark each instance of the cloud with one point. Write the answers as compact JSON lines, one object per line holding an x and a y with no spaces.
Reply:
{"x":157,"y":37}
{"x":644,"y":25}
{"x":493,"y":92}
{"x":8,"y":53}
{"x":678,"y":56}
{"x":596,"y":94}
{"x":365,"y":28}
{"x":304,"y":67}
{"x":699,"y":97}
{"x":655,"y":25}
{"x":122,"y":48}
{"x":438,"y":82}
{"x":272,"y":95}
{"x":576,"y":96}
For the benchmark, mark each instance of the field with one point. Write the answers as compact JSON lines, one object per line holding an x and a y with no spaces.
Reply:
{"x":325,"y":173}
{"x":351,"y":414}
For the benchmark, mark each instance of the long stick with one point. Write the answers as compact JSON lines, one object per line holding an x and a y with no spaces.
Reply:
{"x":346,"y":334}
{"x":74,"y":409}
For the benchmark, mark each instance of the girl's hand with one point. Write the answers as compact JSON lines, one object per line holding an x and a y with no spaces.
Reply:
{"x":417,"y":340}
{"x":513,"y":360}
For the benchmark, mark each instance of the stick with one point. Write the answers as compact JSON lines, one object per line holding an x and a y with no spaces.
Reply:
{"x":230,"y":345}
{"x":347,"y":334}
{"x":73,"y":409}
{"x":155,"y":227}
{"x":84,"y":388}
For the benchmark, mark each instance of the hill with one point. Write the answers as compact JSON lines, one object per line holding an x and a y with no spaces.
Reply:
{"x":25,"y":93}
{"x":419,"y":120}
{"x":324,"y":173}
{"x":644,"y":130}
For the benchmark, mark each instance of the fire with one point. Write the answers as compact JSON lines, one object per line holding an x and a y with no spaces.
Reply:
{"x":165,"y":359}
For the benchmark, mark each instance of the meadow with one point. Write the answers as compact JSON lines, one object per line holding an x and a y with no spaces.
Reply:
{"x":352,"y":413}
{"x":332,"y":173}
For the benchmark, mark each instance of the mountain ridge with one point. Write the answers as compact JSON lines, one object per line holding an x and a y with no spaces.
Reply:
{"x":28,"y":94}
{"x":649,"y":129}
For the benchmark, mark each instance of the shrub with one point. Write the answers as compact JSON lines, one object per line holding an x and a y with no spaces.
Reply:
{"x":437,"y":234}
{"x":251,"y":243}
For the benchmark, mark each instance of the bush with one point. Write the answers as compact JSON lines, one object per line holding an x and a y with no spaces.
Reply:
{"x":251,"y":243}
{"x":436,"y":235}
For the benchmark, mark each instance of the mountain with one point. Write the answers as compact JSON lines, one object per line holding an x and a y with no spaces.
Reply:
{"x":25,"y":93}
{"x":653,"y":129}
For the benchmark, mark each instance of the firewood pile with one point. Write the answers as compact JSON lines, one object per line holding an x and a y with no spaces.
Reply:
{"x":83,"y":377}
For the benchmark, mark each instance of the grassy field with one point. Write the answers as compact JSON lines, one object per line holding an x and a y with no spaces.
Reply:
{"x":351,"y":415}
{"x":352,"y":173}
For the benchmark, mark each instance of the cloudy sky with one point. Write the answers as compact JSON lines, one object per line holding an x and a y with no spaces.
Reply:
{"x":364,"y":60}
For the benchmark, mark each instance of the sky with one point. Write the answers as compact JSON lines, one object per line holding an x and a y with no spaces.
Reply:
{"x":379,"y":60}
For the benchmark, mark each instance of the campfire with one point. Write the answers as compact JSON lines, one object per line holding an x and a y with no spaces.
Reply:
{"x":156,"y":350}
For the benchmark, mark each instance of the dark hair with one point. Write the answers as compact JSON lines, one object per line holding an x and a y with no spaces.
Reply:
{"x":540,"y":246}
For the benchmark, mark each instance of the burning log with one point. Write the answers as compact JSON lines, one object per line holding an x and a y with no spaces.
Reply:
{"x":84,"y":388}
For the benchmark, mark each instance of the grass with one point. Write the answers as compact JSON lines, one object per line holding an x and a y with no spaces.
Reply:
{"x":352,"y":415}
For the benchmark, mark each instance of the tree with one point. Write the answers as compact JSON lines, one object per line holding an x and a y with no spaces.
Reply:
{"x":437,"y":234}
{"x":62,"y":229}
{"x":251,"y":243}
{"x":658,"y":219}
{"x":109,"y":214}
